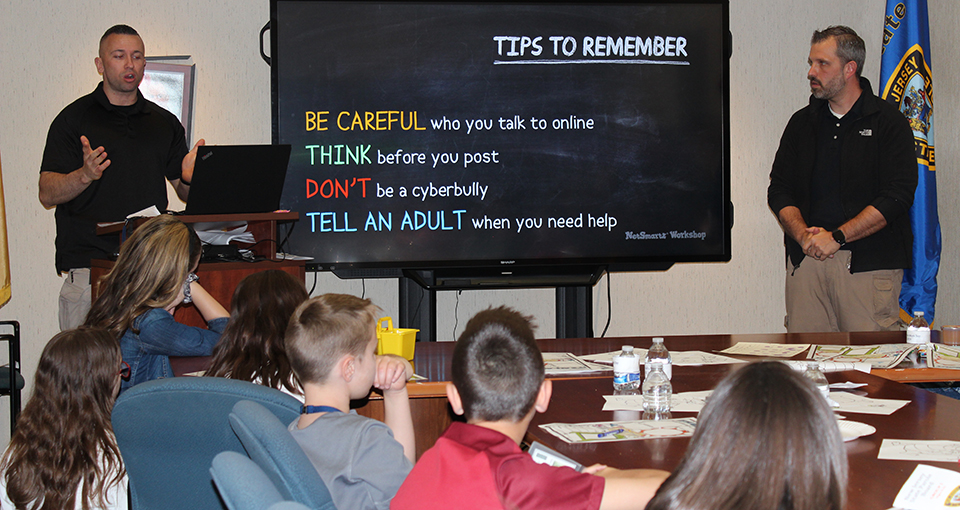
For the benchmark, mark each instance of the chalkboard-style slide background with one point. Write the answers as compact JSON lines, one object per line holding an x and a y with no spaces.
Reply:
{"x":455,"y":135}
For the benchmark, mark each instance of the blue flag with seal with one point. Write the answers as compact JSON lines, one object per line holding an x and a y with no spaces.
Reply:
{"x":906,"y":81}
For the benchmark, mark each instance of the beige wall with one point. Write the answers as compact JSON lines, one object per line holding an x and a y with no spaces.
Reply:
{"x":47,"y":62}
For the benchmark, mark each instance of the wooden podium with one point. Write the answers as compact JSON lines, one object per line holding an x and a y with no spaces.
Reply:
{"x":220,"y":278}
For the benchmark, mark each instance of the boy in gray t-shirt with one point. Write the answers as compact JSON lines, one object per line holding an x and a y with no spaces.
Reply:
{"x":331,"y":343}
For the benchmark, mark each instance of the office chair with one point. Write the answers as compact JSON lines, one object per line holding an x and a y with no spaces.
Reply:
{"x":269,"y":443}
{"x":169,"y":431}
{"x":11,"y":381}
{"x":241,"y":482}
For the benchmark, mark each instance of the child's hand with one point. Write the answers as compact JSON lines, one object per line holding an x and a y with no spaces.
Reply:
{"x":392,"y":373}
{"x":594,"y":469}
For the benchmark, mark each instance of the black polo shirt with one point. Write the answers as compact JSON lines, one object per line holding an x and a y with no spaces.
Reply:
{"x":145,"y":145}
{"x":826,"y":206}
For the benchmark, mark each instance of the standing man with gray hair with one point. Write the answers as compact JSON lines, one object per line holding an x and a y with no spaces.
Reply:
{"x":841,"y":186}
{"x":108,"y":154}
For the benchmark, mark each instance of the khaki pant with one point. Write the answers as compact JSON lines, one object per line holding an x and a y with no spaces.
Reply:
{"x":74,"y":298}
{"x":824,"y":296}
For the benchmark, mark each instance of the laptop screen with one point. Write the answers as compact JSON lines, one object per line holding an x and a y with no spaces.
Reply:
{"x":233,"y":179}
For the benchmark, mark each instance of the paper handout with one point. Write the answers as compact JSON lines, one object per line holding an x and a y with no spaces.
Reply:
{"x":851,"y":403}
{"x":830,"y":366}
{"x":680,"y":358}
{"x":919,"y":450}
{"x":766,"y":350}
{"x":611,"y":431}
{"x":559,"y":363}
{"x":222,"y":233}
{"x":686,"y":402}
{"x":943,"y":356}
{"x":929,"y":488}
{"x":880,"y":356}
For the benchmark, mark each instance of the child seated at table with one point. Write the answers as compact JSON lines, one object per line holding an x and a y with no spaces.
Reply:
{"x":766,"y":439}
{"x":498,"y":385}
{"x":251,"y":346}
{"x":331,"y":343}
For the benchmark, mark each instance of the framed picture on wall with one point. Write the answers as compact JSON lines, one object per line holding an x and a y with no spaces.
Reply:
{"x":171,"y":87}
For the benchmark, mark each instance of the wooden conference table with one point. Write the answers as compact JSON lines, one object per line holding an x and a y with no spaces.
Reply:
{"x":873,"y":483}
{"x":579,"y":398}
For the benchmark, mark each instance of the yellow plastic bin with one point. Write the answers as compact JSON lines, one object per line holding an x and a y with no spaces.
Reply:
{"x":399,"y":341}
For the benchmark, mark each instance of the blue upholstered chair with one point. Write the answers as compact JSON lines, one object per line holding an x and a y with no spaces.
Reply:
{"x":169,"y":431}
{"x":288,"y":505}
{"x":269,"y":443}
{"x":242,"y":484}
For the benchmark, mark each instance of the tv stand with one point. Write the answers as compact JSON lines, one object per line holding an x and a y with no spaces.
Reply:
{"x":574,"y":295}
{"x":573,"y":284}
{"x":418,"y":309}
{"x":574,"y":312}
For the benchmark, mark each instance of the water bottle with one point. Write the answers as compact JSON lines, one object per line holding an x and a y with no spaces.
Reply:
{"x":658,"y":353}
{"x":918,"y":332}
{"x":657,"y":390}
{"x":813,"y":373}
{"x":626,"y":369}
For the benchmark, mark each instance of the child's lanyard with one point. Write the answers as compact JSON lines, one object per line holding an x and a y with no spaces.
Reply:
{"x":318,"y":409}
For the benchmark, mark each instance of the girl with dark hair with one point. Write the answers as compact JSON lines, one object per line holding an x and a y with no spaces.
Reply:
{"x":251,"y":346}
{"x":62,"y":454}
{"x":766,"y":440}
{"x":152,"y":275}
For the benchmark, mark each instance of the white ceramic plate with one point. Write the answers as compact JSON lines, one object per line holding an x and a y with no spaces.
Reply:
{"x":851,"y":430}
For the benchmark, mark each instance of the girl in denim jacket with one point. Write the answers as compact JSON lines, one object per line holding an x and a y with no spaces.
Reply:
{"x":153,"y":274}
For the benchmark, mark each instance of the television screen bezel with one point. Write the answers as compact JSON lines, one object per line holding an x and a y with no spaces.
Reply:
{"x":538,"y":271}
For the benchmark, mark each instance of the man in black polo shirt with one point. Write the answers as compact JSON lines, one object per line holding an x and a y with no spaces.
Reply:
{"x":108,"y":154}
{"x":842,"y":184}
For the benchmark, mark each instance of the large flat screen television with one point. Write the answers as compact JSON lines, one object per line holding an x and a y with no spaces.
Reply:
{"x":474,"y":143}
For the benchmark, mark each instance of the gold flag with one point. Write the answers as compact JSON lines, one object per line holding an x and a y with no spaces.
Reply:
{"x":4,"y":253}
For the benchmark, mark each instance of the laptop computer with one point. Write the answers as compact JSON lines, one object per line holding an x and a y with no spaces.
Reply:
{"x":232,"y":179}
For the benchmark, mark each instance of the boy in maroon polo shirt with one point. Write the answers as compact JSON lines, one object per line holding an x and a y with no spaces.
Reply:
{"x":498,"y":384}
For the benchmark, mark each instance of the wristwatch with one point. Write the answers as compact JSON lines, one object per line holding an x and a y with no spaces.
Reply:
{"x":839,"y":237}
{"x":187,"y":298}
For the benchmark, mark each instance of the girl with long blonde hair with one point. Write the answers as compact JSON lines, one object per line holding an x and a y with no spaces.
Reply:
{"x":152,"y":276}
